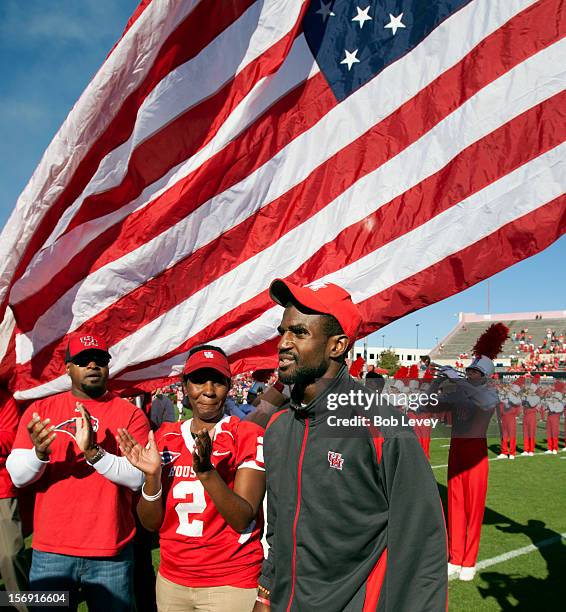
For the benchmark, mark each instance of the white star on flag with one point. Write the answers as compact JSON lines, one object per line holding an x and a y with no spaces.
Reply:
{"x":395,"y":23}
{"x":362,"y":16}
{"x":325,"y":11}
{"x":350,"y":59}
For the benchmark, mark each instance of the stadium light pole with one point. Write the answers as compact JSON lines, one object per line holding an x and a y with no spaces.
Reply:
{"x":417,"y":326}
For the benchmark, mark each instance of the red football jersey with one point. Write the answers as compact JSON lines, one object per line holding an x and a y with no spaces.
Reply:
{"x":78,"y":511}
{"x":9,"y":418}
{"x":198,"y":547}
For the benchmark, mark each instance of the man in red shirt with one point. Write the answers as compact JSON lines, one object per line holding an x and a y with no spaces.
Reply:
{"x":13,"y":564}
{"x":83,"y":520}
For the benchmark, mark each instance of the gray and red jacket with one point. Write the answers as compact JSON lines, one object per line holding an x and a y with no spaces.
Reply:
{"x":355,"y":521}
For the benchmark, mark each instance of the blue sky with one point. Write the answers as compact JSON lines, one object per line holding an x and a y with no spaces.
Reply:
{"x":49,"y":51}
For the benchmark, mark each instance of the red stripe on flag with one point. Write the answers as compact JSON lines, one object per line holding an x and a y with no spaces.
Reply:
{"x":518,"y":240}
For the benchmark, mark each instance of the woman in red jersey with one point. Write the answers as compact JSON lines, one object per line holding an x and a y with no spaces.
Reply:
{"x":204,"y":484}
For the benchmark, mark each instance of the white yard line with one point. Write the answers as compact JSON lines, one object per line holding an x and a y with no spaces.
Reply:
{"x":525,"y":550}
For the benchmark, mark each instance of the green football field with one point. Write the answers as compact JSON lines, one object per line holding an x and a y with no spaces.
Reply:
{"x":526,"y":506}
{"x":525,"y":509}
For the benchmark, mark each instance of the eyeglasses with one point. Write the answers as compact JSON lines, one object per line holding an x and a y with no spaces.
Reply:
{"x":82,"y":360}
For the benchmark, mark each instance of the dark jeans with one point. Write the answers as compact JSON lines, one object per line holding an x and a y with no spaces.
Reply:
{"x":105,"y":582}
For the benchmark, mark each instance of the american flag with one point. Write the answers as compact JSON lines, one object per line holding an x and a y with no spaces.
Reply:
{"x":404,"y":149}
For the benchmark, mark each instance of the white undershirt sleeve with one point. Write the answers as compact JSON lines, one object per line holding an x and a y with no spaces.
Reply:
{"x":24,"y":466}
{"x":120,"y":471}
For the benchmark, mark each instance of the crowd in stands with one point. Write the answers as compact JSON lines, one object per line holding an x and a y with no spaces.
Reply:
{"x":548,"y":356}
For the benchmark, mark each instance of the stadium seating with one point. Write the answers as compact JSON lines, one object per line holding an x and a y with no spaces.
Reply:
{"x":462,"y":338}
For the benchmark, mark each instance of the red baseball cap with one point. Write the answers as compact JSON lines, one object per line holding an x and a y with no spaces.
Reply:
{"x":325,"y":298}
{"x":78,"y":343}
{"x":208,"y":358}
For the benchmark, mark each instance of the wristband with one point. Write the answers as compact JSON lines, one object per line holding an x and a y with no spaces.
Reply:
{"x":100,"y":452}
{"x":264,"y":601}
{"x":151,"y":498}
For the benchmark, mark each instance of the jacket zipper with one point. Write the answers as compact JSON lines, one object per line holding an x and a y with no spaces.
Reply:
{"x":297,"y":510}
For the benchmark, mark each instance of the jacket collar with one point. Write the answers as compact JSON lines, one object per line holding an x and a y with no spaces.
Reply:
{"x":318,"y":407}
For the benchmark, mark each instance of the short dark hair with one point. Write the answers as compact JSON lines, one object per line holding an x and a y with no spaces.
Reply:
{"x":331,"y":326}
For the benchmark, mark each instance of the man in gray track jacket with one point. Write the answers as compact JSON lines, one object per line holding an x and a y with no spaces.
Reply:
{"x":354,"y":516}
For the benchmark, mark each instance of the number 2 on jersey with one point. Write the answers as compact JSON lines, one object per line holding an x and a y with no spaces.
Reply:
{"x":187,"y":526}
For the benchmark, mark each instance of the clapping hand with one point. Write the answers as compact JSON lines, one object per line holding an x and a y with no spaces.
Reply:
{"x":147,"y":459}
{"x":42,"y":435}
{"x":85,"y":435}
{"x":202,"y":452}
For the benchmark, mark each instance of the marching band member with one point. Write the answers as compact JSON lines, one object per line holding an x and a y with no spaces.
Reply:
{"x":472,"y":402}
{"x":530,"y":407}
{"x":555,"y":407}
{"x":510,"y":410}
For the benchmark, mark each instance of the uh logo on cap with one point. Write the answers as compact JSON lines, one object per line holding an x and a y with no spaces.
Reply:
{"x":316,"y":285}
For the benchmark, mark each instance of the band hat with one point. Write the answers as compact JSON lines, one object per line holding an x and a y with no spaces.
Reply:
{"x":482,"y":364}
{"x":208,"y":359}
{"x":323,"y":298}
{"x":80,"y":343}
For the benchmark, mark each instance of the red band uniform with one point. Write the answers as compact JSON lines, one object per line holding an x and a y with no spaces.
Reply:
{"x":510,"y":410}
{"x":530,"y":407}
